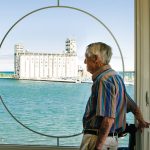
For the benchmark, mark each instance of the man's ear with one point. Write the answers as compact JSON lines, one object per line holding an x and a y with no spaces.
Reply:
{"x":97,"y":59}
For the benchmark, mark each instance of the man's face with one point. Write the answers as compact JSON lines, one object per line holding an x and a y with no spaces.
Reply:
{"x":91,"y":64}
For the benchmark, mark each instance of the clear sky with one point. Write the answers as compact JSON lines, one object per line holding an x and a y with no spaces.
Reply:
{"x":47,"y":30}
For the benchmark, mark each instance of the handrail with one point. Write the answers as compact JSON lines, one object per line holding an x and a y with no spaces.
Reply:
{"x":42,"y":134}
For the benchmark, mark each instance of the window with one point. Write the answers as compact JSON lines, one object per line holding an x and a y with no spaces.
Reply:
{"x":40,"y":106}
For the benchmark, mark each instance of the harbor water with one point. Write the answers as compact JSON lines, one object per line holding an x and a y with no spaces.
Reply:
{"x":51,"y":108}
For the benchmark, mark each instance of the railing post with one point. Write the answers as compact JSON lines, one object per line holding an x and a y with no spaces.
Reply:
{"x":57,"y":141}
{"x":58,"y":2}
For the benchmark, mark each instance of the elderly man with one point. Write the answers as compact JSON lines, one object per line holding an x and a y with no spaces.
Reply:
{"x":105,"y":113}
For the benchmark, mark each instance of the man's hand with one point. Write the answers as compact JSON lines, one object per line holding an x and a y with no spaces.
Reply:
{"x":103,"y":131}
{"x":143,"y":124}
{"x":99,"y":147}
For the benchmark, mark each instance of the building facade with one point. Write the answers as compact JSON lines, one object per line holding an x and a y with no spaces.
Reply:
{"x":46,"y":66}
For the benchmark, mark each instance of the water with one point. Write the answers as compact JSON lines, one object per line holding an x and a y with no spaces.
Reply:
{"x":7,"y":72}
{"x":51,"y":108}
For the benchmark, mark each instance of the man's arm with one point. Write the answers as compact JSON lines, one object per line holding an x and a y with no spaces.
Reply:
{"x":132,"y":107}
{"x":104,"y":131}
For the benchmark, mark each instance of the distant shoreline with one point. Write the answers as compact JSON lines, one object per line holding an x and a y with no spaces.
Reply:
{"x":6,"y":74}
{"x":129,"y":78}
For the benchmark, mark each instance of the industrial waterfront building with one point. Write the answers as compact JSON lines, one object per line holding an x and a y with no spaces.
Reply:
{"x":47,"y":66}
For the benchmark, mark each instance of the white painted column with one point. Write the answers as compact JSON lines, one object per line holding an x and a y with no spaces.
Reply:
{"x":142,"y":47}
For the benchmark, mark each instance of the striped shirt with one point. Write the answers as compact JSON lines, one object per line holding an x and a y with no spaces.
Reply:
{"x":108,"y":99}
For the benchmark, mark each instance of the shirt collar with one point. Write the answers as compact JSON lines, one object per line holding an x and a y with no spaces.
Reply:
{"x":101,"y":70}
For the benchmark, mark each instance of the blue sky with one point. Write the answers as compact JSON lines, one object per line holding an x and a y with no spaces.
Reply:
{"x":47,"y":30}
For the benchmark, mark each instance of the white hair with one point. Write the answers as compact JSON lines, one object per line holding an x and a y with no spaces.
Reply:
{"x":102,"y":50}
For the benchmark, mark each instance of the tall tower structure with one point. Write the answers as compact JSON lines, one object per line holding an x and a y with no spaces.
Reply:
{"x":19,"y":49}
{"x":71,"y":46}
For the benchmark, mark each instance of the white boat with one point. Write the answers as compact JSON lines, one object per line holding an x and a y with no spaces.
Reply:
{"x":129,"y":83}
{"x":87,"y":81}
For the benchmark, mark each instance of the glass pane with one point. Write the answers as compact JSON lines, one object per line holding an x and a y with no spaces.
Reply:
{"x":44,"y":43}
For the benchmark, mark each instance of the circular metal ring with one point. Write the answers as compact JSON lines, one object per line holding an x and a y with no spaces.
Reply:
{"x":48,"y":7}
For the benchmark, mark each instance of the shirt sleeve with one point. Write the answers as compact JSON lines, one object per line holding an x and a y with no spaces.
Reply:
{"x":106,"y":102}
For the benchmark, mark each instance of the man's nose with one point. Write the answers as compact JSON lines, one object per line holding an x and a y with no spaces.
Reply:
{"x":85,"y":60}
